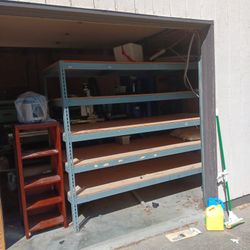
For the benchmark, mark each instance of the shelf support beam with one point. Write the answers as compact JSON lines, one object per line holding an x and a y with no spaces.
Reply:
{"x":100,"y":100}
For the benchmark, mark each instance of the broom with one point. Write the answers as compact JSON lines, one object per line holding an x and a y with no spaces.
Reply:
{"x":233,"y":219}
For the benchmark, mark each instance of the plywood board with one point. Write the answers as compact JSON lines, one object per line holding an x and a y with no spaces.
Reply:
{"x":131,"y":123}
{"x":92,"y":182}
{"x":110,"y":151}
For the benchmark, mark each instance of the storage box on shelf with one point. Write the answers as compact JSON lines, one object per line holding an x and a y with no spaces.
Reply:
{"x":84,"y":184}
{"x":129,"y":52}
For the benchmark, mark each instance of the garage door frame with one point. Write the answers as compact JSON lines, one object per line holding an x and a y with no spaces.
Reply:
{"x":206,"y":65}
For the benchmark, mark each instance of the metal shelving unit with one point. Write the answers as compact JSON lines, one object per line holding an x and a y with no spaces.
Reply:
{"x":74,"y":133}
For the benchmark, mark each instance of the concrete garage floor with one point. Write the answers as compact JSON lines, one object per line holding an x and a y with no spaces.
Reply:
{"x":119,"y":220}
{"x":206,"y":240}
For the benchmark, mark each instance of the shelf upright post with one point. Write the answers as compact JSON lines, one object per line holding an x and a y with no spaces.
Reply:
{"x":69,"y":146}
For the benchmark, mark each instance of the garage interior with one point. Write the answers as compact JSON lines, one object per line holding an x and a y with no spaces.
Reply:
{"x":29,"y":45}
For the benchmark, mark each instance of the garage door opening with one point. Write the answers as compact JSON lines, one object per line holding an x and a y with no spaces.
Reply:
{"x":141,"y":126}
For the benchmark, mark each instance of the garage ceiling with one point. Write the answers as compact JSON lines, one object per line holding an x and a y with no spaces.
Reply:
{"x":54,"y":33}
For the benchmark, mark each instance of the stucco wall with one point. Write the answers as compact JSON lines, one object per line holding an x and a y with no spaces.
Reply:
{"x":232,"y":58}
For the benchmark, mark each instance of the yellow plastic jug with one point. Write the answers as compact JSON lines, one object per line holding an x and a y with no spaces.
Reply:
{"x":214,"y":218}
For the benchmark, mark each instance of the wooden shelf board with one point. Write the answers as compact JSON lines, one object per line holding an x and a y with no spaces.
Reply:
{"x":131,"y":123}
{"x":111,"y":151}
{"x":102,"y":180}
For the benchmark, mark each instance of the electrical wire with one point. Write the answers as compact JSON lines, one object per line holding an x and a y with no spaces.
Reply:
{"x":185,"y":76}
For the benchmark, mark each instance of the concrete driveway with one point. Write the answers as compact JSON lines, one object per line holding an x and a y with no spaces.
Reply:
{"x":206,"y":240}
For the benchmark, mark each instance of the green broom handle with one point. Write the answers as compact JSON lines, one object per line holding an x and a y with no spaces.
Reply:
{"x":223,"y":163}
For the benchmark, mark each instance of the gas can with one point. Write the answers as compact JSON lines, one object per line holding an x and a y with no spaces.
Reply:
{"x":214,"y":218}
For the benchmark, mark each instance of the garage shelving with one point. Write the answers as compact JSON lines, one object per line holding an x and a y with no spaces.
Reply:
{"x":85,"y":184}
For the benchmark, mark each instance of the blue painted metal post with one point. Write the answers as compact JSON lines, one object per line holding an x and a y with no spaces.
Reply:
{"x":69,"y":148}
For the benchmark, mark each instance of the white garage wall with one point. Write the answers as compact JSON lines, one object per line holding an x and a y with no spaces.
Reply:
{"x":232,"y":59}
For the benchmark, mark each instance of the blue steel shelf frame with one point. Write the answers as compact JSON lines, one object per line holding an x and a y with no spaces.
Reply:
{"x":60,"y":69}
{"x":78,"y":101}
